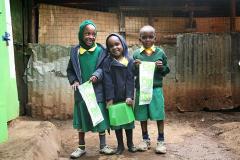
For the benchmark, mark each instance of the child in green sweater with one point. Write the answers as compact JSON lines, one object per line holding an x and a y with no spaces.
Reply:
{"x":85,"y":65}
{"x":155,"y":110}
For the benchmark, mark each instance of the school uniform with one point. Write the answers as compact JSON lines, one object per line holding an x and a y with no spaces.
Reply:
{"x":82,"y":65}
{"x":118,"y":83}
{"x":154,"y":110}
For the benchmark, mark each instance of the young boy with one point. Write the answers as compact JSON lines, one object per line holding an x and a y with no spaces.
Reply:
{"x":85,"y":65}
{"x":118,"y":80}
{"x":154,"y":110}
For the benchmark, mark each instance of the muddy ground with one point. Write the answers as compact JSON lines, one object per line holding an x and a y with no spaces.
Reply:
{"x":189,"y":135}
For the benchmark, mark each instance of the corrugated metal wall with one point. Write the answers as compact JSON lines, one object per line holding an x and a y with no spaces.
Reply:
{"x":49,"y":92}
{"x":236,"y":69}
{"x":169,"y":81}
{"x":204,"y":74}
{"x":203,"y":71}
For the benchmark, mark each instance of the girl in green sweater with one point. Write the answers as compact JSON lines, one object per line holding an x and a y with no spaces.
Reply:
{"x":85,"y":65}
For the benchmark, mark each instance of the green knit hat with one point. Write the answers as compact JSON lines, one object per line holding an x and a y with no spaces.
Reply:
{"x":81,"y":28}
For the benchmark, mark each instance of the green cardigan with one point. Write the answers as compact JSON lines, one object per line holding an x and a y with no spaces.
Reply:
{"x":158,"y":73}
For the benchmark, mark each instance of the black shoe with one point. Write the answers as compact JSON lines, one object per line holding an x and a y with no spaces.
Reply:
{"x":132,"y":149}
{"x":119,"y":150}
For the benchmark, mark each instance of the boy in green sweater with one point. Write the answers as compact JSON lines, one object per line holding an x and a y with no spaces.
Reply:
{"x":155,"y":110}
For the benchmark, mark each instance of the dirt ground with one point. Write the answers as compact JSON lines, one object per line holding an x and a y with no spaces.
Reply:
{"x":189,"y":135}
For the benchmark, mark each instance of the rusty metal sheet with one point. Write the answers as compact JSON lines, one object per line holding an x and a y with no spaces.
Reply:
{"x":203,"y":72}
{"x":49,"y":93}
{"x":235,"y":69}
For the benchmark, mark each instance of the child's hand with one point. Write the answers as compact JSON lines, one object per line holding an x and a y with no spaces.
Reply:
{"x":108,"y":103}
{"x":93,"y":79}
{"x":75,"y":85}
{"x":137,"y":62}
{"x":159,"y":64}
{"x":129,"y":101}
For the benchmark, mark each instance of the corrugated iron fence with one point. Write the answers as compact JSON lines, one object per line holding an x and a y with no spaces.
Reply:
{"x":207,"y":74}
{"x":204,"y":74}
{"x":235,"y":72}
{"x":49,"y":93}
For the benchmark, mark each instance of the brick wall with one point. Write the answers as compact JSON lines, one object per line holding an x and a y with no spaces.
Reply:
{"x":168,"y":27}
{"x":60,"y":25}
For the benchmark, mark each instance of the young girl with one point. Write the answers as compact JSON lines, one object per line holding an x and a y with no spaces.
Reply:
{"x":119,"y":84}
{"x":85,"y":65}
{"x":155,"y":110}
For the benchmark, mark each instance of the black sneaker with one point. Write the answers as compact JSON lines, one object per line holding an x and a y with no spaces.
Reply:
{"x":119,"y":150}
{"x":132,"y":149}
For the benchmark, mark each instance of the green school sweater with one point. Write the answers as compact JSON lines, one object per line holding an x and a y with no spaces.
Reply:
{"x":158,"y":74}
{"x":88,"y":62}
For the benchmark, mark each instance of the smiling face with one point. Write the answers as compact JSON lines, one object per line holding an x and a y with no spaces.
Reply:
{"x":115,"y":47}
{"x":89,"y":35}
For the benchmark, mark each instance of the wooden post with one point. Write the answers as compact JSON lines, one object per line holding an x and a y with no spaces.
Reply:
{"x":122,"y":29}
{"x":233,"y":16}
{"x":33,"y":21}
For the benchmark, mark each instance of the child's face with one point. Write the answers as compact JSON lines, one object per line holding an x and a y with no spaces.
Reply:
{"x":147,"y":38}
{"x":89,"y":35}
{"x":115,"y":47}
